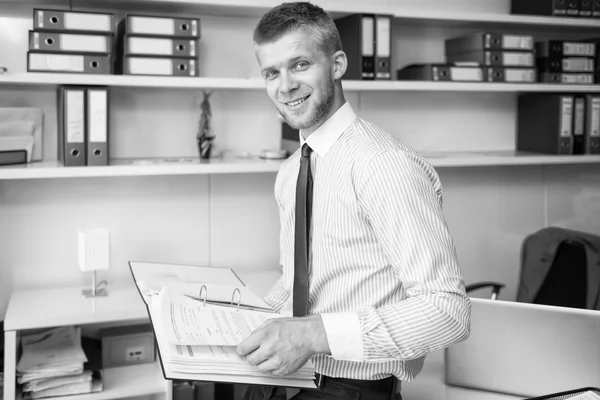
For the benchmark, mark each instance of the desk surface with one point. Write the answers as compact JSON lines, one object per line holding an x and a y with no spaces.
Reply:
{"x":429,"y":385}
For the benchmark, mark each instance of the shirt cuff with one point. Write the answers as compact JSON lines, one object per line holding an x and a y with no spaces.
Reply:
{"x":344,"y":336}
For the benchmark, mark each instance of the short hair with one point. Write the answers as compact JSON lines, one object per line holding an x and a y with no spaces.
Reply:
{"x":289,"y":17}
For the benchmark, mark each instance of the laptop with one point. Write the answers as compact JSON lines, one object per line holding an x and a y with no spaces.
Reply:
{"x":526,"y":349}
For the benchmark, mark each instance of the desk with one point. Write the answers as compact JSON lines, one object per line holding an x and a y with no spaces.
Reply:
{"x":429,"y":385}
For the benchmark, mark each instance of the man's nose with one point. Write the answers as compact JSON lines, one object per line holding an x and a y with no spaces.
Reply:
{"x":288,"y":83}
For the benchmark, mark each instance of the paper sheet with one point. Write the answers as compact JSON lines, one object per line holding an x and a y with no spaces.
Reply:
{"x":194,"y":323}
{"x":589,"y":395}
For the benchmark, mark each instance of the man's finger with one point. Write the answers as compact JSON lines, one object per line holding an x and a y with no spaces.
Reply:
{"x":249,"y":344}
{"x":269,"y":366}
{"x":258,"y":356}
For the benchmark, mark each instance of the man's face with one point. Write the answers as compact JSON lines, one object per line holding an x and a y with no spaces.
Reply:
{"x":299,"y":78}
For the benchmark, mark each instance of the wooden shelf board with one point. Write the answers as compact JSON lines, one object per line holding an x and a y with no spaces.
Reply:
{"x":54,"y":79}
{"x":53,"y":169}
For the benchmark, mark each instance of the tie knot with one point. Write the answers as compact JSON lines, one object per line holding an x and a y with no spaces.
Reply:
{"x":306,"y":150}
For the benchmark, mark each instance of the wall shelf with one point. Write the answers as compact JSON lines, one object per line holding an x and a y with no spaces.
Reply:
{"x":256,"y":8}
{"x":125,"y":167}
{"x":55,"y":79}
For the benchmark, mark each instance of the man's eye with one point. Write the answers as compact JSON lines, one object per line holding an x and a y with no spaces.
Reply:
{"x":270,"y":74}
{"x":301,"y":65}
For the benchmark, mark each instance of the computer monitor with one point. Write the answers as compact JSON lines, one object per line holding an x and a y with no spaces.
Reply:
{"x":526,"y":349}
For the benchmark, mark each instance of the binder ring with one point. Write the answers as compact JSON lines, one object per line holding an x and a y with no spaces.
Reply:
{"x":205,"y":290}
{"x":239,"y":298}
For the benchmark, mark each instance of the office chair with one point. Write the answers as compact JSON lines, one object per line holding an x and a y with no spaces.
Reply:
{"x":496,"y":287}
{"x":558,"y":267}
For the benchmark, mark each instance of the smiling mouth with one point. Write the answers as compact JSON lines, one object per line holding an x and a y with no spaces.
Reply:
{"x":297,"y":102}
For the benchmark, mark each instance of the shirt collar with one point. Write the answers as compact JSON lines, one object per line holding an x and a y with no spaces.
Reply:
{"x":323,"y":138}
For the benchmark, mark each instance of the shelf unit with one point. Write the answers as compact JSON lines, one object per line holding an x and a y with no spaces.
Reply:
{"x":150,"y":167}
{"x":238,"y":84}
{"x":61,"y":306}
{"x":39,"y":308}
{"x":42,"y":308}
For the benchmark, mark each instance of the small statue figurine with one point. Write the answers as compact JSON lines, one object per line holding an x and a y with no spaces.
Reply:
{"x":204,"y":137}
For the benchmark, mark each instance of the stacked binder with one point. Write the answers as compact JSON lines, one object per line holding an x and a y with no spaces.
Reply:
{"x":557,"y":8}
{"x":151,"y":45}
{"x":558,"y":123}
{"x":562,"y":61}
{"x":503,"y":57}
{"x":69,"y":41}
{"x":366,"y":40}
{"x":83,"y":126}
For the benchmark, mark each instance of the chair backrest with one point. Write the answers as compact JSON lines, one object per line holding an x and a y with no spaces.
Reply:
{"x":566,"y":282}
{"x":560,"y":267}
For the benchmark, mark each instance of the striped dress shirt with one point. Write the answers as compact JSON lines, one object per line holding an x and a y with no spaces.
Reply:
{"x":383,"y":270}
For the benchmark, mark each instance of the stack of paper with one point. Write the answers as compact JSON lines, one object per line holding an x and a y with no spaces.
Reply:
{"x":52,"y":365}
{"x":199,"y":340}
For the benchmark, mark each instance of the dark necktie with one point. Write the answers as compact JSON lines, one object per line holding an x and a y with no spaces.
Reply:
{"x":301,"y":250}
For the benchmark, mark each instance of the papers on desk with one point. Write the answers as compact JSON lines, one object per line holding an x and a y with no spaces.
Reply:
{"x":52,"y":365}
{"x":196,"y":339}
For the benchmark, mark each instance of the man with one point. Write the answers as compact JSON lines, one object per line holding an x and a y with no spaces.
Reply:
{"x":369,"y":269}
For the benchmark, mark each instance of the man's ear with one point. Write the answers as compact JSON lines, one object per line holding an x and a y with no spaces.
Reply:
{"x":340,"y":64}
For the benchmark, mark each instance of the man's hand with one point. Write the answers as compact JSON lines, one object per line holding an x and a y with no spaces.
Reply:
{"x":281,"y":346}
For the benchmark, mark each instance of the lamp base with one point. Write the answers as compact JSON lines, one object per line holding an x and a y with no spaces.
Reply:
{"x":94,"y":293}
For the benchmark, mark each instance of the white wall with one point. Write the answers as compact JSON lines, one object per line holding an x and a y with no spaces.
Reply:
{"x":231,"y":220}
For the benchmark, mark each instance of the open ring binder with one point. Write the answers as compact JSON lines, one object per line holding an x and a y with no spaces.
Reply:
{"x":204,"y":290}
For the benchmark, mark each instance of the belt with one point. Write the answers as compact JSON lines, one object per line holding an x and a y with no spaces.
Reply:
{"x":383,"y":386}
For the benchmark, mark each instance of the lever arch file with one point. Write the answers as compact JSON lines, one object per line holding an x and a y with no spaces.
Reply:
{"x":199,"y":315}
{"x":545,"y":123}
{"x":357,"y":33}
{"x":69,"y":62}
{"x":147,"y":25}
{"x":166,"y":66}
{"x":60,"y":21}
{"x":71,"y":126}
{"x":97,"y":126}
{"x":70,"y":42}
{"x":592,"y":124}
{"x":149,"y":46}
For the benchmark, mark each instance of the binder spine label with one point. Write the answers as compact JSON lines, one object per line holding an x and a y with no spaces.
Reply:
{"x":40,"y":19}
{"x":579,"y":49}
{"x":36,"y":40}
{"x":519,"y":75}
{"x":368,"y":47}
{"x":88,"y":22}
{"x":466,"y":74}
{"x":577,"y":78}
{"x":56,"y":62}
{"x":156,"y":26}
{"x":579,"y":64}
{"x":517,"y":59}
{"x":517,"y":42}
{"x":566,"y":117}
{"x":139,"y":45}
{"x":145,"y":66}
{"x":595,"y":123}
{"x":93,"y":43}
{"x":97,"y":123}
{"x":75,"y":128}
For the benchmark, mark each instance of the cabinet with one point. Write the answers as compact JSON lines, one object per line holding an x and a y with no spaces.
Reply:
{"x":185,"y":212}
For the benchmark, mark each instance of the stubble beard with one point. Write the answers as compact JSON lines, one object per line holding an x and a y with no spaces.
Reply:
{"x":321,"y":109}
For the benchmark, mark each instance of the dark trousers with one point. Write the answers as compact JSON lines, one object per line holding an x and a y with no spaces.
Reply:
{"x":331,"y":389}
